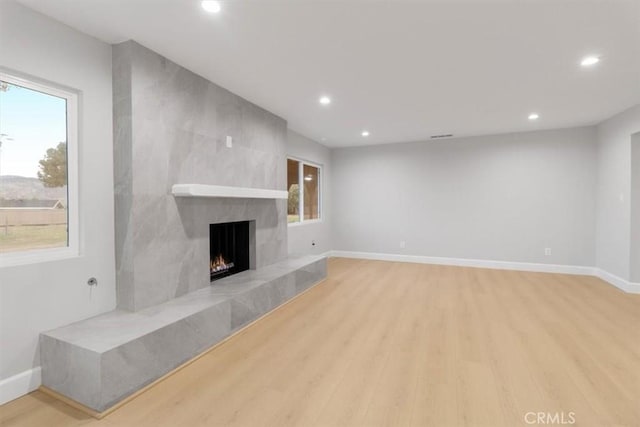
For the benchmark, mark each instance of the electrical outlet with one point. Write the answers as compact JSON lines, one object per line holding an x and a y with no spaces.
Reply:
{"x":229,"y":142}
{"x":547,"y":251}
{"x":403,"y":244}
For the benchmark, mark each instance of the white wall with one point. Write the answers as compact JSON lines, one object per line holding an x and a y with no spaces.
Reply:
{"x":43,"y":296}
{"x":614,"y":192}
{"x":302,"y":235}
{"x":635,"y":208}
{"x":500,"y":198}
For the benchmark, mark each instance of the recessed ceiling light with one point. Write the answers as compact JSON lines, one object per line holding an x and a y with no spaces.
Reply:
{"x":365,"y":133}
{"x":534,"y":116}
{"x":211,"y":6}
{"x":325,"y":100}
{"x":588,"y":61}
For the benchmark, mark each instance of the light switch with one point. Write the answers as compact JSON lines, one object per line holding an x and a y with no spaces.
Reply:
{"x":229,"y":142}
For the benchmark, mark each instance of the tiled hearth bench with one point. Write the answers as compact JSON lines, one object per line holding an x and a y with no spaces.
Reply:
{"x":100,"y":361}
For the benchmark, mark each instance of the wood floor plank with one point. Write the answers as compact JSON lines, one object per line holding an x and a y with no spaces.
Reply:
{"x":394,"y":344}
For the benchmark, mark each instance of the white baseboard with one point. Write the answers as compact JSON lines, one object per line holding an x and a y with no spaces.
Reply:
{"x":462,"y":262}
{"x":20,"y":384}
{"x":614,"y":280}
{"x":618,"y":282}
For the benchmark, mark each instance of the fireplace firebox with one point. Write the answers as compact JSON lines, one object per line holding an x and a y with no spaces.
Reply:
{"x":229,"y":248}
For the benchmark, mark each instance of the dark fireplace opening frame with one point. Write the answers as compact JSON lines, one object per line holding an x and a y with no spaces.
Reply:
{"x":231,"y":248}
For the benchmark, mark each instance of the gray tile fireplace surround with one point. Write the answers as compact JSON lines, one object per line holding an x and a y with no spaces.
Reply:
{"x":100,"y":361}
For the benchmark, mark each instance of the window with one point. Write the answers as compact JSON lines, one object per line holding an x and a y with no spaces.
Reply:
{"x":304,"y":200}
{"x":38,"y":135}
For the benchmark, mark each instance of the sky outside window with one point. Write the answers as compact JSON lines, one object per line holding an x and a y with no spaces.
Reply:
{"x":35,"y":122}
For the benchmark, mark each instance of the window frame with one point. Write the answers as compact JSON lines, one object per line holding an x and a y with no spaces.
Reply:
{"x":301,"y":163}
{"x":33,"y":256}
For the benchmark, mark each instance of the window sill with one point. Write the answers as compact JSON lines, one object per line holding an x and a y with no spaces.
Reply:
{"x":37,"y":256}
{"x":299,"y":223}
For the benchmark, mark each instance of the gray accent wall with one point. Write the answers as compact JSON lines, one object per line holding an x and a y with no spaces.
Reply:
{"x":303,"y":236}
{"x":503,"y":198}
{"x":170,"y":127}
{"x":614,"y":192}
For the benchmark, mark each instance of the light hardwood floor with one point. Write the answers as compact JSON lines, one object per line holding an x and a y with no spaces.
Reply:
{"x":384,"y":344}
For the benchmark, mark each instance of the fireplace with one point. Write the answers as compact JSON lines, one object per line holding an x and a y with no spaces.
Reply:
{"x":229,"y":248}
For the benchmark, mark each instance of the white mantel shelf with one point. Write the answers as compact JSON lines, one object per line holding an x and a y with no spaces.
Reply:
{"x":203,"y":190}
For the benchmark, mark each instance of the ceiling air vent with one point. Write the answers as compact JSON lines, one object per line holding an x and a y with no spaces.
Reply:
{"x":446,"y":135}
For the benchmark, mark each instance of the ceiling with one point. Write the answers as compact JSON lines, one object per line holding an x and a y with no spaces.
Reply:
{"x":403,"y":70}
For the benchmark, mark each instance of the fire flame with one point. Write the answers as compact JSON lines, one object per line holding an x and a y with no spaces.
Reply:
{"x":218,"y":263}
